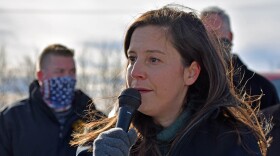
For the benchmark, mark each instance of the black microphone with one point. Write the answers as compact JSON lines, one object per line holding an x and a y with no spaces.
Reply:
{"x":129,"y":101}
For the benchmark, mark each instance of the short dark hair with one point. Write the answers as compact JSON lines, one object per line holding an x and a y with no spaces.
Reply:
{"x":54,"y":50}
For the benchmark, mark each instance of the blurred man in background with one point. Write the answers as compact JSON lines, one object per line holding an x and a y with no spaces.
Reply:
{"x":217,"y":22}
{"x":42,"y":124}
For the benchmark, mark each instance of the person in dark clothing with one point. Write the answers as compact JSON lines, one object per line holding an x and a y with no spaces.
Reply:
{"x":273,"y":113}
{"x":42,"y":124}
{"x":188,"y":104}
{"x":255,"y":84}
{"x":217,"y":22}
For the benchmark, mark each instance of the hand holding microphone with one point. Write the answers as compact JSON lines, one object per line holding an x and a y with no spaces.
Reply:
{"x":117,"y":141}
{"x":114,"y":142}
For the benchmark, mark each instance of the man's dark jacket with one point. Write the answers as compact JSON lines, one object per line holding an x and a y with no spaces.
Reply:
{"x":274,"y":114}
{"x":254,"y":83}
{"x":30,"y":128}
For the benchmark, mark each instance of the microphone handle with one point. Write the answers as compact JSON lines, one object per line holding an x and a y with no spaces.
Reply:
{"x":124,"y":118}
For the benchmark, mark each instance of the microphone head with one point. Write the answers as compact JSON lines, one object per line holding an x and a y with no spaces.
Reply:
{"x":130,"y":97}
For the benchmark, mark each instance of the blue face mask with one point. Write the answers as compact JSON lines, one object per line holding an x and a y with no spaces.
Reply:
{"x":58,"y":92}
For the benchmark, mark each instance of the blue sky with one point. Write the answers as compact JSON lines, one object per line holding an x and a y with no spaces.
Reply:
{"x":27,"y":26}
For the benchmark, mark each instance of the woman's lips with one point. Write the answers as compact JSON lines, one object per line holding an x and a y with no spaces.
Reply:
{"x":143,"y":90}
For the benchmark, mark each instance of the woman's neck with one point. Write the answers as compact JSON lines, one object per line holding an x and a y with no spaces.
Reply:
{"x":167,"y":120}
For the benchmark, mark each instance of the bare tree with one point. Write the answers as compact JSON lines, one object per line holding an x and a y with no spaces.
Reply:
{"x":85,"y":76}
{"x":111,"y":75}
{"x":3,"y":69}
{"x":25,"y":75}
{"x":101,"y":77}
{"x":14,"y":81}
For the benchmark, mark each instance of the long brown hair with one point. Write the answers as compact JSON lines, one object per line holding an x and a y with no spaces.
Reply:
{"x":213,"y":89}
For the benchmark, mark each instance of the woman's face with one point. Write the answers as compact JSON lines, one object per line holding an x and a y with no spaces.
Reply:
{"x":155,"y":68}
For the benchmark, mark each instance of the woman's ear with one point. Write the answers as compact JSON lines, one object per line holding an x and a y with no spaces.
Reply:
{"x":191,"y":73}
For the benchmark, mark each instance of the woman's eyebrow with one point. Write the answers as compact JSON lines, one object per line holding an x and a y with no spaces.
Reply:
{"x":147,"y":51}
{"x":130,"y":52}
{"x":156,"y":51}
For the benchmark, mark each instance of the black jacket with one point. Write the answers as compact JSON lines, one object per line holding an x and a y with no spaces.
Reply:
{"x":30,"y":128}
{"x":214,"y":136}
{"x":274,"y":113}
{"x":254,"y":83}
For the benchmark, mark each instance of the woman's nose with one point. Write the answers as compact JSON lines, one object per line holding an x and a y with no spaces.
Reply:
{"x":138,"y":70}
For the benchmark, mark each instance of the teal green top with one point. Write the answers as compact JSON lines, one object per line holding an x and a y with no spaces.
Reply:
{"x":168,"y":134}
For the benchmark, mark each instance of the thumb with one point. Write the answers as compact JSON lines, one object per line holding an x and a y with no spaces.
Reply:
{"x":132,"y":135}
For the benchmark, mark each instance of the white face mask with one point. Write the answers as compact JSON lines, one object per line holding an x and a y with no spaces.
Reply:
{"x":58,"y":92}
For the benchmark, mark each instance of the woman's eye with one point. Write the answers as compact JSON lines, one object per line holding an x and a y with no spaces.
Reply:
{"x":131,"y":58}
{"x":154,"y":60}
